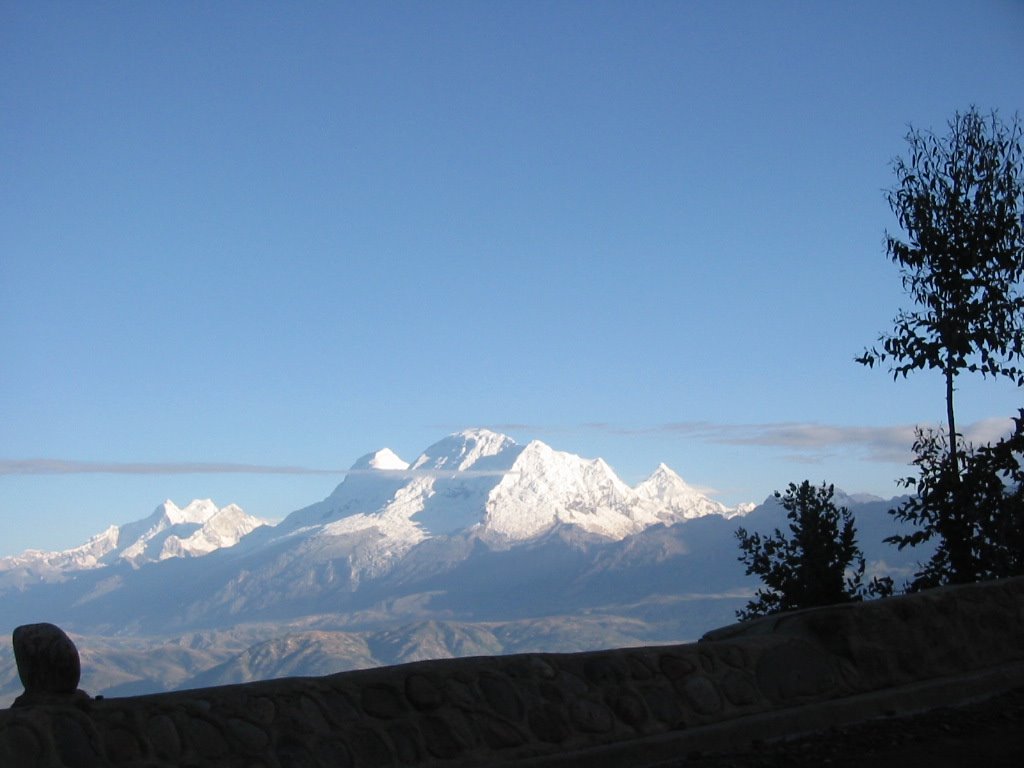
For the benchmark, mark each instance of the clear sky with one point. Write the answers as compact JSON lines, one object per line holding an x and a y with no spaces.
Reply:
{"x":287,"y":234}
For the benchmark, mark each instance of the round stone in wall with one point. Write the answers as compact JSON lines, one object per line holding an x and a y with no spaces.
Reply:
{"x":47,"y":660}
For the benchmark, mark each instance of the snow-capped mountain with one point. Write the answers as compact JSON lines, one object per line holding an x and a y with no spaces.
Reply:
{"x":665,"y":491}
{"x":476,"y":529}
{"x":169,"y":532}
{"x":389,"y":526}
{"x":197,"y":529}
{"x":474,"y":485}
{"x":480,"y":545}
{"x":485,"y":484}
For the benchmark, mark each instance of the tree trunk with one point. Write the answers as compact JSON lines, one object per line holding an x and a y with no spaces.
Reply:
{"x":958,"y":524}
{"x":954,"y":454}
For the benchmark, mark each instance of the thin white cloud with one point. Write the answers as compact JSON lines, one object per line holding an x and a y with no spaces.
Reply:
{"x":806,"y":442}
{"x":988,"y":430}
{"x":73,"y":467}
{"x":810,"y":442}
{"x":799,"y":458}
{"x":885,"y":444}
{"x":435,"y":473}
{"x":65,"y":467}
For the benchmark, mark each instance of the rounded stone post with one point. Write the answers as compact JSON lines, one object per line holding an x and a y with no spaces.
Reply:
{"x":48,"y":665}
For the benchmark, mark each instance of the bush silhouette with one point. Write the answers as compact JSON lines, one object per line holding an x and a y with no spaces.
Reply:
{"x":819,"y":564}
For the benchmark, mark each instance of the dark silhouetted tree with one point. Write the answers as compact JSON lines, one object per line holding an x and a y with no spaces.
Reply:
{"x":986,"y":514}
{"x":960,"y":200}
{"x":819,"y":564}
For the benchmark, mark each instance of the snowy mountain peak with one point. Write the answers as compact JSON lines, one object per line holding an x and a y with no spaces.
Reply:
{"x":664,"y":483}
{"x":172,"y":531}
{"x":680,"y":500}
{"x":546,"y":488}
{"x":384,"y":459}
{"x":196,"y":529}
{"x":196,"y":511}
{"x":461,"y":450}
{"x":217,"y":529}
{"x":484,"y":484}
{"x":476,"y":484}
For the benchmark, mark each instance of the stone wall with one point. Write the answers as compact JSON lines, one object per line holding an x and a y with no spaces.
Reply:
{"x":633,"y":706}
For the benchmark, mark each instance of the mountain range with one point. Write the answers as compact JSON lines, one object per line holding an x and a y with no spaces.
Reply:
{"x":480,"y":545}
{"x":195,"y":530}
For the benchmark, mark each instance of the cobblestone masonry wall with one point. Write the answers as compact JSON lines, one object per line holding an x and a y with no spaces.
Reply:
{"x":487,"y":710}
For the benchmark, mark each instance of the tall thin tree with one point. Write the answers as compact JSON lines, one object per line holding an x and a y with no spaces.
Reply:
{"x":959,"y":199}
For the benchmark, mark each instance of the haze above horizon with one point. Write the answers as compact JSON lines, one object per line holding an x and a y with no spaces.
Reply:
{"x":287,"y":236}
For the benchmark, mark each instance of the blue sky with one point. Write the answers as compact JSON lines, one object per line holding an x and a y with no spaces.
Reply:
{"x":289,"y":234}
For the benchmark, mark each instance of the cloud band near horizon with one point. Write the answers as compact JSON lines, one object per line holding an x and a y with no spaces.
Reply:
{"x":887,"y":444}
{"x":11,"y":467}
{"x":890,"y":444}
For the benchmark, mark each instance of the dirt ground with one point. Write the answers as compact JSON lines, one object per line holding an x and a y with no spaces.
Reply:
{"x":985,"y":734}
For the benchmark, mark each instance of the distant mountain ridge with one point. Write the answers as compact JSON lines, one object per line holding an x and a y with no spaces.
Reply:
{"x":479,"y":543}
{"x":389,"y":521}
{"x":170,"y":531}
